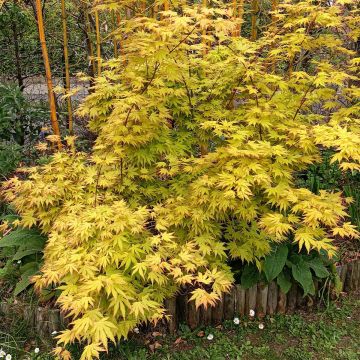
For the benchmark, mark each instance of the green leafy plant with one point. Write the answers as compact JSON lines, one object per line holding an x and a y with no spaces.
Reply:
{"x":21,"y":250}
{"x":10,"y":156}
{"x":287,"y":265}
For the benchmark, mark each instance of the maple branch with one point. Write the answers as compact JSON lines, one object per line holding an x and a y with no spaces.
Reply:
{"x":142,"y":92}
{"x":303,"y":99}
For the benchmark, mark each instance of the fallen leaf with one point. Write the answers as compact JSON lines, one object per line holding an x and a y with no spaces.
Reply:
{"x":178,"y":341}
{"x":157,"y":345}
{"x":156,"y":334}
{"x":201,"y":334}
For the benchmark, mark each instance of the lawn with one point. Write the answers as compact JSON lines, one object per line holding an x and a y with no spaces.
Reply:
{"x":330,"y":334}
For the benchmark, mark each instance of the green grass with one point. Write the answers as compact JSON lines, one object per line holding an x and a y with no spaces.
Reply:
{"x":332,"y":334}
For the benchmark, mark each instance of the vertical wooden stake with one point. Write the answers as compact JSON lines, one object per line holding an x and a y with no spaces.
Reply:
{"x":53,"y":116}
{"x":240,"y":301}
{"x":229,"y":304}
{"x":282,"y":302}
{"x":193,"y":315}
{"x":205,"y":315}
{"x":170,"y":305}
{"x":251,"y":295}
{"x":98,"y":42}
{"x":67,"y":68}
{"x":292,"y":298}
{"x":218,"y":312}
{"x":182,"y":307}
{"x":261,"y":301}
{"x":272,"y":298}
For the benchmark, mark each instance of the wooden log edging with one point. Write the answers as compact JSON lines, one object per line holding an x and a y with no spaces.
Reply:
{"x":264,"y":299}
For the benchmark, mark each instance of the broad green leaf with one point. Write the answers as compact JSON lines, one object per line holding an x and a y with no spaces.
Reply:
{"x":283,"y":280}
{"x":302,"y":274}
{"x":275,"y":262}
{"x":319,"y":268}
{"x":25,"y":279}
{"x":29,"y":238}
{"x":22,"y":253}
{"x":250,"y":276}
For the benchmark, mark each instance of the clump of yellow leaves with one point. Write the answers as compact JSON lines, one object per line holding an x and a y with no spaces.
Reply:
{"x":198,"y":142}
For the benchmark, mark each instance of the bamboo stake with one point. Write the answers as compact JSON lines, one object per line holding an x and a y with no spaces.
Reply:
{"x":274,"y":5}
{"x":53,"y":116}
{"x":89,"y":42}
{"x":114,"y":36}
{"x":67,"y":70}
{"x":143,"y":7}
{"x":254,"y":16}
{"x":98,"y":42}
{"x":240,"y":14}
{"x":204,"y":5}
{"x":155,"y":11}
{"x":234,"y":7}
{"x":118,"y":21}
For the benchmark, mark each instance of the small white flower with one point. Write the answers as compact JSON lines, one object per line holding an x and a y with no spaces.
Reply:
{"x":8,"y":357}
{"x":19,"y":262}
{"x":136,"y":330}
{"x":37,"y":350}
{"x":2,"y":353}
{"x":210,"y":337}
{"x":54,"y":332}
{"x":252,"y":313}
{"x":261,"y":326}
{"x":236,"y":321}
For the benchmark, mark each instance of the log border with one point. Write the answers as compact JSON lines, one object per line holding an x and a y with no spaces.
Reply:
{"x":264,"y":299}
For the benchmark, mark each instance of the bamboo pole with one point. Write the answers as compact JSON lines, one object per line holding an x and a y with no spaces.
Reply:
{"x":240,"y":14}
{"x":53,"y":116}
{"x":274,"y":5}
{"x":204,"y":5}
{"x":67,"y":70}
{"x":234,"y":8}
{"x":114,"y":36}
{"x":89,"y":42}
{"x":143,"y":7}
{"x":254,"y":17}
{"x":155,"y":11}
{"x":98,"y":42}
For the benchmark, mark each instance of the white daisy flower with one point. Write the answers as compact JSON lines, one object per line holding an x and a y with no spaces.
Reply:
{"x":2,"y":353}
{"x":236,"y":321}
{"x":8,"y":357}
{"x":261,"y":326}
{"x":136,"y":330}
{"x":37,"y":350}
{"x":19,"y":262}
{"x":210,"y":337}
{"x":252,"y":313}
{"x":54,"y":332}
